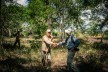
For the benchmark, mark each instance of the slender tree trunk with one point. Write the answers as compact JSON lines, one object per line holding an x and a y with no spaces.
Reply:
{"x":49,"y":22}
{"x":61,"y":28}
{"x":9,"y":32}
{"x":1,"y":38}
{"x":2,"y":2}
{"x":102,"y":36}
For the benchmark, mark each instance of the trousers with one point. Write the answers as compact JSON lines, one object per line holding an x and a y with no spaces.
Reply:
{"x":71,"y":66}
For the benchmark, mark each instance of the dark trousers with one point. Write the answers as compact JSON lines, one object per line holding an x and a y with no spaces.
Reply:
{"x":70,"y":64}
{"x":17,"y":42}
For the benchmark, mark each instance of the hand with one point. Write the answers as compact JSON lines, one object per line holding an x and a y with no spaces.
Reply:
{"x":55,"y":44}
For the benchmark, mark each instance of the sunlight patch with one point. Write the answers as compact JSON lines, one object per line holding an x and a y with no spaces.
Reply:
{"x":23,"y":2}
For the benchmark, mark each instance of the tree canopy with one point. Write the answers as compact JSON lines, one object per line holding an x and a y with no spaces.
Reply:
{"x":40,"y":14}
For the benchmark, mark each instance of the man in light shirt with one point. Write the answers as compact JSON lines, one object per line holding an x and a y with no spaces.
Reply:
{"x":46,"y":47}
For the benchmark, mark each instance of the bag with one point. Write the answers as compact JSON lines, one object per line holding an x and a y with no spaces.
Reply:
{"x":77,"y":43}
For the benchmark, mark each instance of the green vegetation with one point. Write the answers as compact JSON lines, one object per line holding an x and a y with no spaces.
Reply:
{"x":87,"y":18}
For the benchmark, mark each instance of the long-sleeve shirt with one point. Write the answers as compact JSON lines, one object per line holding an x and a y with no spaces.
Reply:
{"x":46,"y":43}
{"x":69,"y":41}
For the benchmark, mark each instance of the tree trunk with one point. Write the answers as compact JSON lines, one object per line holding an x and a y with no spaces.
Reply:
{"x":9,"y":32}
{"x":102,"y":36}
{"x":49,"y":22}
{"x":1,"y":38}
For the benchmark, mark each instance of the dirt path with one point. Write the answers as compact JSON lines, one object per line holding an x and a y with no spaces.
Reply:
{"x":59,"y":60}
{"x":96,"y":39}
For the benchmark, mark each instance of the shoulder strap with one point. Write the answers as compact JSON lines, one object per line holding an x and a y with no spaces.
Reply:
{"x":72,"y":39}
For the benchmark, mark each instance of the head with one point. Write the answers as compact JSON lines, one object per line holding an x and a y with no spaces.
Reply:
{"x":68,"y":31}
{"x":48,"y":32}
{"x":18,"y":31}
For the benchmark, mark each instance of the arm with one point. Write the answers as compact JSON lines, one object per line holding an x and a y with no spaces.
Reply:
{"x":63,"y":42}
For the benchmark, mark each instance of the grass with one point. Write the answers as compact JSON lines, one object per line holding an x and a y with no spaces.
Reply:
{"x":90,"y":58}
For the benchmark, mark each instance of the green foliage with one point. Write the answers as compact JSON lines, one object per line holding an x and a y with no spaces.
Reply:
{"x":38,"y":13}
{"x":106,"y":34}
{"x":35,"y":45}
{"x":94,"y":29}
{"x":55,"y":33}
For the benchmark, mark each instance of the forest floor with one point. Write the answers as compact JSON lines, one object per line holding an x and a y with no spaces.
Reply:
{"x":92,"y":57}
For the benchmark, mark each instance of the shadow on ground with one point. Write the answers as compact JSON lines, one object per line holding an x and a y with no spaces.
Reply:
{"x":10,"y":47}
{"x":90,"y":67}
{"x":18,"y":65}
{"x":100,"y":46}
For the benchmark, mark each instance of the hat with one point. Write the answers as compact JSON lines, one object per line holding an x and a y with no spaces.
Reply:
{"x":48,"y":30}
{"x":68,"y":31}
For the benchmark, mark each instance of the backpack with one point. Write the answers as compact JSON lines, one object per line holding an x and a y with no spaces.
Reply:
{"x":77,"y":42}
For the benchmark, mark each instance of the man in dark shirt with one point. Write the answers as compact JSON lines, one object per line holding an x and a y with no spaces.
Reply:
{"x":71,"y":52}
{"x":17,"y":39}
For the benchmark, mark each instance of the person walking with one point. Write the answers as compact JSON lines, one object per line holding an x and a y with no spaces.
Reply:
{"x":72,"y":48}
{"x":17,"y":41}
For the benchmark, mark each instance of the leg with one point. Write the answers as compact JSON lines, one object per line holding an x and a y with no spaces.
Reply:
{"x":19,"y":43}
{"x":75,"y":68}
{"x":43,"y":58}
{"x":49,"y":60}
{"x":70,"y":64}
{"x":15,"y":43}
{"x":69,"y":60}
